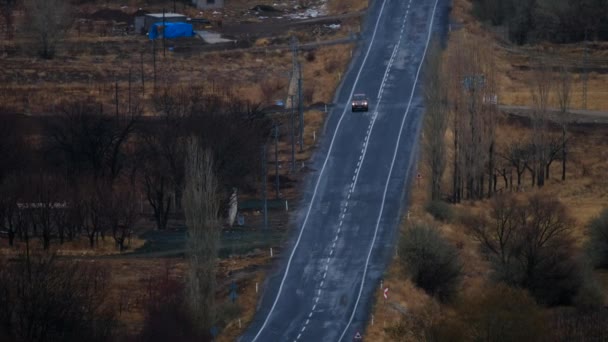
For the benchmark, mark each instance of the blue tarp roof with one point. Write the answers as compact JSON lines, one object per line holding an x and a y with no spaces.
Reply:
{"x":171,"y":30}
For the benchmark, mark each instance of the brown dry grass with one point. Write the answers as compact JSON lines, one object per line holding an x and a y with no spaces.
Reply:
{"x":346,"y":6}
{"x":77,"y":247}
{"x":585,"y":192}
{"x":514,"y":62}
{"x":91,"y":66}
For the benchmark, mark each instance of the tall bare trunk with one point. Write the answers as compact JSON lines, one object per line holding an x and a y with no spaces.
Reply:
{"x":201,"y":207}
{"x":435,"y":119}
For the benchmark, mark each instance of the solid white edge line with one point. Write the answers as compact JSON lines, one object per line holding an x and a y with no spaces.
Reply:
{"x":331,"y":144}
{"x":428,"y":39}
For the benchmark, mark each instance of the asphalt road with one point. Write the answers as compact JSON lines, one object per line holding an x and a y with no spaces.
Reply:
{"x":347,"y":225}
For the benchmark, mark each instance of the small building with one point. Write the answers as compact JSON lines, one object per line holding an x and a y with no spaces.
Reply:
{"x":208,"y":4}
{"x":152,"y":18}
{"x":139,"y":21}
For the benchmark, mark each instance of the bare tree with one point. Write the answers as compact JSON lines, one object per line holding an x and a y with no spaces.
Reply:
{"x":162,"y":157}
{"x":529,"y":244}
{"x":48,"y":21}
{"x":540,"y":88}
{"x":90,"y":207}
{"x":7,"y":9}
{"x":121,"y":214}
{"x":563,"y":91}
{"x":91,"y":142}
{"x":12,"y":218}
{"x":436,"y":118}
{"x":498,"y":235}
{"x":201,"y":207}
{"x":472,"y":96}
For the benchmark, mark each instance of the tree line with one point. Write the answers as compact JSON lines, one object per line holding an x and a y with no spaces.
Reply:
{"x":559,"y":21}
{"x":527,"y":240}
{"x":83,"y":173}
{"x":87,"y":170}
{"x":461,"y":97}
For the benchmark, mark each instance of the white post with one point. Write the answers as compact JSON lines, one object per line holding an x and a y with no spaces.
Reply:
{"x":325,"y":108}
{"x":271,"y":252}
{"x":286,"y":206}
{"x":314,"y":136}
{"x":256,"y":287}
{"x":239,"y":323}
{"x":381,"y":285}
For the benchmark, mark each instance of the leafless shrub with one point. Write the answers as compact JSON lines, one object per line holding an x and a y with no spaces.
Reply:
{"x":597,"y":245}
{"x":166,"y":315}
{"x":497,"y":313}
{"x":430,"y":261}
{"x":529,"y":244}
{"x":43,"y":299}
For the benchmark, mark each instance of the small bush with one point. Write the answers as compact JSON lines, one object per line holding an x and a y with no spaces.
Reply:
{"x":311,"y":56}
{"x":440,"y":210}
{"x":502,"y":313}
{"x":430,"y":261}
{"x":597,"y":247}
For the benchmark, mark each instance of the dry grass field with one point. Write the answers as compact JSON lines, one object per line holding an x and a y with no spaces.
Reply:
{"x":92,"y":64}
{"x":585,"y":191}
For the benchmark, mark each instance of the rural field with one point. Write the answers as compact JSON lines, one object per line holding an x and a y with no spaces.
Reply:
{"x":100,"y":65}
{"x":411,"y":313}
{"x":106,"y":138}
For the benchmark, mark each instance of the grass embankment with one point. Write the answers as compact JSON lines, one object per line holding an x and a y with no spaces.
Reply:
{"x":584,"y":193}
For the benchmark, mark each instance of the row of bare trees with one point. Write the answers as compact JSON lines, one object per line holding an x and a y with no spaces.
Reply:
{"x":560,"y":21}
{"x":461,"y":96}
{"x":85,"y":170}
{"x":529,"y":243}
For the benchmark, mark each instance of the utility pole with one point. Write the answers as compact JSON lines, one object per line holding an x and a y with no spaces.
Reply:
{"x":300,"y":107}
{"x":143,"y":85}
{"x":116,"y":93}
{"x":129,"y":105}
{"x":293,"y":136}
{"x":585,"y":72}
{"x":164,"y":29}
{"x":276,"y":159}
{"x":264,"y":179}
{"x":154,"y":60}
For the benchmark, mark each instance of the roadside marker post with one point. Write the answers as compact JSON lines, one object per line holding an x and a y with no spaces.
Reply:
{"x":233,"y":295}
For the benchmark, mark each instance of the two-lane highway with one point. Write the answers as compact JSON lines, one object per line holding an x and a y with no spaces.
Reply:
{"x":353,"y":203}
